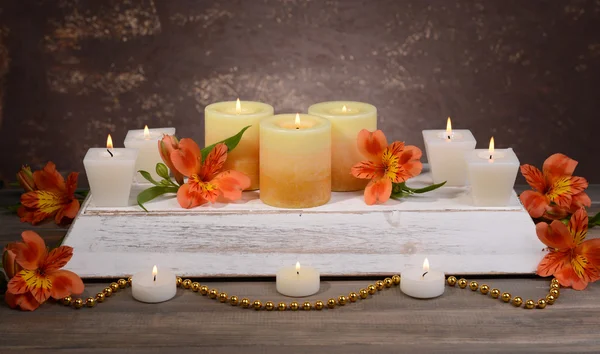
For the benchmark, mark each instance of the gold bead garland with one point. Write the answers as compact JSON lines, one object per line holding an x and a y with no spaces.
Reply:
{"x":484,"y":289}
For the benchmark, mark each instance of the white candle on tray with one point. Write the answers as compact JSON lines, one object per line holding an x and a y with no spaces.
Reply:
{"x":153,"y":287}
{"x":146,"y":141}
{"x":492,"y":174}
{"x":110,"y":172}
{"x":422,"y":283}
{"x":298,"y":281}
{"x":445,"y":151}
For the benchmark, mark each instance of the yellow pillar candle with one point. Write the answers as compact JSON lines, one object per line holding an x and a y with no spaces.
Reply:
{"x":224,"y":119}
{"x":347,"y":119}
{"x":295,"y":161}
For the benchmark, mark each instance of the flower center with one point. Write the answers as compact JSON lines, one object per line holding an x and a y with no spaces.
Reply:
{"x":36,"y":279}
{"x":391,"y":164}
{"x":561,"y":186}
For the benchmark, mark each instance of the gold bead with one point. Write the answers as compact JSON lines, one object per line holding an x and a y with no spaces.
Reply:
{"x":379,"y":285}
{"x":257,"y":305}
{"x":529,"y":304}
{"x":107,"y":292}
{"x":371,"y":289}
{"x":100,"y":297}
{"x":388,"y":282}
{"x":122,"y":283}
{"x":451,"y":280}
{"x":495,"y":293}
{"x":331,"y":303}
{"x":396,"y":279}
{"x":269,"y":305}
{"x":306,"y":306}
{"x":353,"y":296}
{"x":78,"y":303}
{"x":204,"y":290}
{"x":462,"y":282}
{"x":554,"y":286}
{"x":245,"y":303}
{"x":66,"y":300}
{"x":474,"y":285}
{"x":363,"y":293}
{"x":342,"y":300}
{"x":541,"y":304}
{"x":187,"y":284}
{"x":506,"y":297}
{"x":223,"y":297}
{"x":484,"y":289}
{"x":555,"y":293}
{"x":319,"y":305}
{"x":281,"y":306}
{"x":114,"y":287}
{"x":213,"y":293}
{"x":129,"y":279}
{"x":517,"y":301}
{"x":90,"y":302}
{"x":195,"y":286}
{"x":233,"y":300}
{"x":550,"y":299}
{"x":555,"y":281}
{"x":294,"y":306}
{"x":179,"y":281}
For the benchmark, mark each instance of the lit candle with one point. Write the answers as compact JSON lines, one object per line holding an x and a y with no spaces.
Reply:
{"x":445,"y":151}
{"x":295,"y":161}
{"x":153,"y":287}
{"x":146,"y":141}
{"x":422,"y":283}
{"x":110,"y":172}
{"x":298,"y":281}
{"x":224,"y":119}
{"x":492,"y":174}
{"x":347,"y":120}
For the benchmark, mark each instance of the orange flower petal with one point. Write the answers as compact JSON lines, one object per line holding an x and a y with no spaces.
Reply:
{"x":32,"y":252}
{"x":579,"y":201}
{"x":25,"y":301}
{"x":67,"y":212}
{"x":555,"y":235}
{"x":49,"y":179}
{"x":568,"y":278}
{"x":72,"y":183}
{"x":18,"y":285}
{"x":578,"y":225}
{"x":367,"y":170}
{"x":534,"y":202}
{"x":166,"y":145}
{"x":65,"y":283}
{"x":188,"y":198}
{"x":534,"y":177}
{"x":558,"y":165}
{"x":590,"y":249}
{"x":371,"y":145}
{"x":409,"y":159}
{"x":57,"y":258}
{"x":214,"y":162}
{"x":231,"y":184}
{"x":552,"y":263}
{"x":378,"y":190}
{"x":186,"y":159}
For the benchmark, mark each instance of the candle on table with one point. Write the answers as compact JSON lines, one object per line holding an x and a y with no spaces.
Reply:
{"x":295,"y":161}
{"x":153,"y":287}
{"x":146,"y":141}
{"x":492,"y":174}
{"x":422,"y":283}
{"x":298,"y":281}
{"x":347,"y":119}
{"x":224,"y":119}
{"x":110,"y":172}
{"x":445,"y":151}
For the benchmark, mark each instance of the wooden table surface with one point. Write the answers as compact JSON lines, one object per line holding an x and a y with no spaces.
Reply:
{"x":459,"y":321}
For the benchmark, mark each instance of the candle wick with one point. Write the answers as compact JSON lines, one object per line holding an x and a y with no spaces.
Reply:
{"x":298,"y":273}
{"x":111,"y":154}
{"x":297,"y":127}
{"x":423,"y":276}
{"x":449,"y":137}
{"x":490,"y":157}
{"x":154,"y":277}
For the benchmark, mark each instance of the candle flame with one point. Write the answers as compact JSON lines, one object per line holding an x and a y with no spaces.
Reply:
{"x":154,"y":272}
{"x":426,"y":265}
{"x":297,"y":121}
{"x":297,"y":266}
{"x":146,"y":132}
{"x":238,"y":106}
{"x":491,"y":149}
{"x":344,"y":109}
{"x":448,"y":127}
{"x":109,"y":143}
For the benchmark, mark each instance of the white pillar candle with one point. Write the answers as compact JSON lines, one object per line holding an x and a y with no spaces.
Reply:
{"x":298,"y":281}
{"x":146,"y":141}
{"x":445,"y":151}
{"x":110,"y":172}
{"x":152,"y":286}
{"x":422,"y":283}
{"x":492,"y":175}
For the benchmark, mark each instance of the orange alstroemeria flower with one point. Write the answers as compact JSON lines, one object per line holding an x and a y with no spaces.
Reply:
{"x":573,"y":261}
{"x":166,"y":146}
{"x":386,"y":164}
{"x":556,"y":192}
{"x":41,"y":276}
{"x":206,"y":182}
{"x":53,"y":198}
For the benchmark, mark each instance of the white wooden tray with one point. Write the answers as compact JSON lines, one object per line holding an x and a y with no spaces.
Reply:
{"x":343,"y":238}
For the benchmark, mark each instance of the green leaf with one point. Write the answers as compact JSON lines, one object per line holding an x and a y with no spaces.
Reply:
{"x":13,"y":208}
{"x":162,"y":170}
{"x":231,"y":143}
{"x":400,"y":195}
{"x":425,"y":189}
{"x":148,"y":177}
{"x":153,"y":192}
{"x":594,"y":220}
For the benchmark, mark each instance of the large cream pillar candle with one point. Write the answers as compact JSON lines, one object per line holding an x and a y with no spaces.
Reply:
{"x":347,"y":119}
{"x":224,"y":119}
{"x":295,"y":161}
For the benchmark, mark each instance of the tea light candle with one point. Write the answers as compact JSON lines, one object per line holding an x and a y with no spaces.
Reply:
{"x":153,"y":287}
{"x":347,"y":120}
{"x":492,"y":174}
{"x":422,"y":283}
{"x":146,"y":141}
{"x":445,"y":151}
{"x":298,"y":281}
{"x":110,"y":172}
{"x":295,"y":161}
{"x":224,"y":119}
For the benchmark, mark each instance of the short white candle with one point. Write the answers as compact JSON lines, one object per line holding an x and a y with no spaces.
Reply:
{"x":298,"y":281}
{"x":110,"y":172}
{"x":492,"y":174}
{"x":445,"y":151}
{"x":146,"y":141}
{"x":153,"y":287}
{"x":422,"y":283}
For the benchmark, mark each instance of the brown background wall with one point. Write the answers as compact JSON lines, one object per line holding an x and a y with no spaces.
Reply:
{"x":525,"y":71}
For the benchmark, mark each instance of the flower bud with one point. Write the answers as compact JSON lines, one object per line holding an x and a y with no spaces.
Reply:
{"x":25,"y":178}
{"x":166,"y":145}
{"x":9,"y":264}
